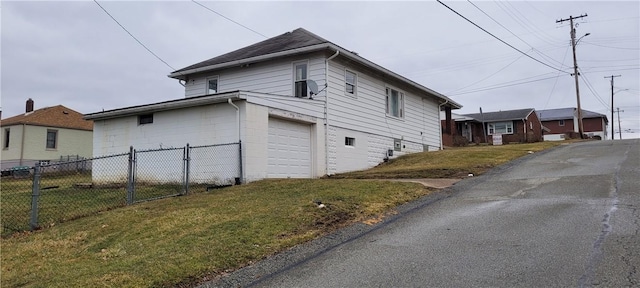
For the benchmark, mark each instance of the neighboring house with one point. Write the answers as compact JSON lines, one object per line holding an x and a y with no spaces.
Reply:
{"x":515,"y":126}
{"x":563,"y":122}
{"x":44,"y":135}
{"x":302,"y":107}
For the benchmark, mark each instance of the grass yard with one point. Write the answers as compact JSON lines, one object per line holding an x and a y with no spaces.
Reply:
{"x":449,"y":163}
{"x":182,"y":240}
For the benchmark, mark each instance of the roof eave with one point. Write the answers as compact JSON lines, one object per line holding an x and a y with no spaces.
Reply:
{"x":164,"y":106}
{"x":181,"y":74}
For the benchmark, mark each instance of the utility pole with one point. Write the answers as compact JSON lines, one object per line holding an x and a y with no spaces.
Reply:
{"x":575,"y":69}
{"x":612,"y":76}
{"x":619,"y":128}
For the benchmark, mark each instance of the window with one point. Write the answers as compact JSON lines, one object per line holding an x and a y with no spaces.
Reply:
{"x":300,"y":80}
{"x":501,"y":128}
{"x":395,"y":103}
{"x":349,"y":141}
{"x":145,"y":119}
{"x":561,"y":123}
{"x":212,"y":85}
{"x":350,"y":82}
{"x":7,"y":133}
{"x":52,"y":139}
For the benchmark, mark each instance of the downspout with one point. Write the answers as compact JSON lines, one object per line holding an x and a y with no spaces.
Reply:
{"x":326,"y":110}
{"x":22,"y":144}
{"x":440,"y":122}
{"x":239,"y":139}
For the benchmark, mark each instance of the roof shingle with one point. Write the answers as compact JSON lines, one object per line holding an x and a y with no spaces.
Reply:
{"x":501,"y":115}
{"x":57,"y":116}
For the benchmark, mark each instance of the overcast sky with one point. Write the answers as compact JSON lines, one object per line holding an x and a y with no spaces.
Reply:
{"x":74,"y":54}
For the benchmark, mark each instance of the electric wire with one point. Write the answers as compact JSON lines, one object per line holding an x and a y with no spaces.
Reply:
{"x":485,"y":78}
{"x":502,"y":86}
{"x":505,"y":28}
{"x":225,"y":17}
{"x":134,"y":37}
{"x":622,"y":48}
{"x":555,"y":82}
{"x":593,"y":92}
{"x":529,"y":56}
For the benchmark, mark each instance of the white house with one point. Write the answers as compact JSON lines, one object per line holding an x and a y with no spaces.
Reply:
{"x":301,"y":106}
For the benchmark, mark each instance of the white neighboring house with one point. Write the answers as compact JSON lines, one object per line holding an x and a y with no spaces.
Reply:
{"x":262,"y":96}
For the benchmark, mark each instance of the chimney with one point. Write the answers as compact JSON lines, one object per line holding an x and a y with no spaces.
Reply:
{"x":29,"y":106}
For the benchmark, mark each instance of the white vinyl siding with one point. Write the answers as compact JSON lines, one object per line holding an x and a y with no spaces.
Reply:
{"x":367,"y":112}
{"x":273,"y":77}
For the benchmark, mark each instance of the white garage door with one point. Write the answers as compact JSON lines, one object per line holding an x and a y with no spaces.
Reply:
{"x":289,"y":149}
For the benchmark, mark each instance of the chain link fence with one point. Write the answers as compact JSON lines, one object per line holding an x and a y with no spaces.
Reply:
{"x":49,"y":193}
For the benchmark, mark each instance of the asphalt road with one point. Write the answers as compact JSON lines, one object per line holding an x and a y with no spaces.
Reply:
{"x":569,"y":217}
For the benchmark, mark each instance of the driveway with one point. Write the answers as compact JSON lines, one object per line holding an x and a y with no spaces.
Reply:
{"x":565,"y":217}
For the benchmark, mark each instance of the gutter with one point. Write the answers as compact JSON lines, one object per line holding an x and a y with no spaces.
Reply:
{"x":164,"y":106}
{"x":326,"y":110}
{"x":239,"y":138}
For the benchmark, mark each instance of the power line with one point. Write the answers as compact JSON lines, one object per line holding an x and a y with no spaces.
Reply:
{"x":485,"y":78}
{"x":505,"y":28}
{"x":622,"y":48}
{"x":502,"y":86}
{"x":556,"y":82}
{"x":593,"y":92}
{"x":525,"y":54}
{"x":134,"y":37}
{"x":225,"y":17}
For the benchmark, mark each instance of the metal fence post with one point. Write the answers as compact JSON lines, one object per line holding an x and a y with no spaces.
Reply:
{"x":239,"y":181}
{"x":130,"y":178}
{"x":186,"y":167}
{"x":35,"y":195}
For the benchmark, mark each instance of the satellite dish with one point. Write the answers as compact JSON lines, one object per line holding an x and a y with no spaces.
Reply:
{"x":313,"y":86}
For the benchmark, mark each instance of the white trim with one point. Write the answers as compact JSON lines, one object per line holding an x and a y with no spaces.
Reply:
{"x":355,"y":85}
{"x":401,"y":101}
{"x":491,"y":126}
{"x":206,"y":87}
{"x":293,"y":76}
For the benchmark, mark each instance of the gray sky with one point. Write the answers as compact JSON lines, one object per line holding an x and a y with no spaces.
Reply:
{"x":74,"y":54}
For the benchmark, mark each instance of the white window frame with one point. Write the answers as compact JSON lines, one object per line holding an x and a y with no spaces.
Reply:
{"x":296,"y":80}
{"x":507,"y":130}
{"x":55,"y":139}
{"x":388,"y":93}
{"x":561,"y":122}
{"x":347,"y":84}
{"x":349,"y":142}
{"x":206,"y":88}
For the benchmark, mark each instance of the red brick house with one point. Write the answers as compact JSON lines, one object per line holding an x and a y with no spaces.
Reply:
{"x":515,"y":126}
{"x":563,"y":122}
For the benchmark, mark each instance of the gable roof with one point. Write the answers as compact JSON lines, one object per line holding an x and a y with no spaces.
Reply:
{"x":298,"y":38}
{"x":508,"y":115}
{"x":296,"y":42}
{"x":56,"y":116}
{"x":567,"y":113}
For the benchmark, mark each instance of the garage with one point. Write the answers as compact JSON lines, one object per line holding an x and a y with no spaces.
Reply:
{"x":289,"y":149}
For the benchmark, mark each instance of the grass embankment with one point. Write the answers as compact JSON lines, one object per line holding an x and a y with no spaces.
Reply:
{"x":186,"y":239}
{"x":450,"y":163}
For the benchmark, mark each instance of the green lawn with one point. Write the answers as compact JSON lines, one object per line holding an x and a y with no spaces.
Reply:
{"x":185,"y":239}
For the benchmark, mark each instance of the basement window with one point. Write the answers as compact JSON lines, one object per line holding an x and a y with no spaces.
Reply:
{"x":349,"y":141}
{"x":145,"y":119}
